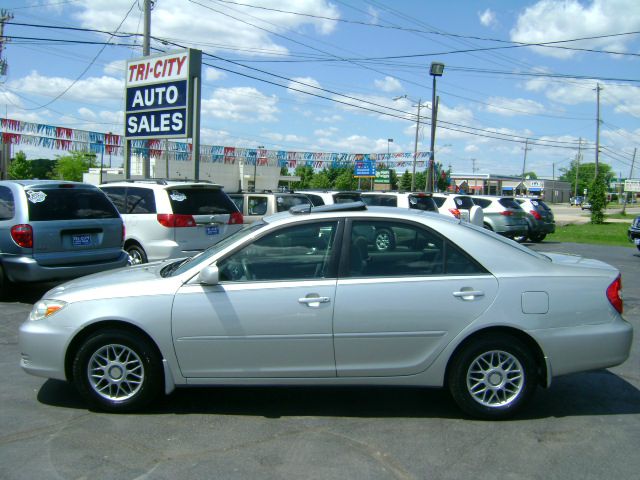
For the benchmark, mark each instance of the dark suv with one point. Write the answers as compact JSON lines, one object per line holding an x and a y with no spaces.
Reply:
{"x":634,"y":232}
{"x":53,"y":230}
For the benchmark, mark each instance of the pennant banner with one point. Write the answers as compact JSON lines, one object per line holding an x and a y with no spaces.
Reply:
{"x":17,"y":132}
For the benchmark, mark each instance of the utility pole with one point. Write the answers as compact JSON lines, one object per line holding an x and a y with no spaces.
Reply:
{"x":5,"y":150}
{"x":415,"y":150}
{"x":524,"y":162}
{"x":624,"y":205}
{"x":146,"y":51}
{"x":578,"y":156}
{"x":598,"y":88}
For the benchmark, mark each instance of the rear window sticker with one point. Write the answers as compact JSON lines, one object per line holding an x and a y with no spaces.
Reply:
{"x":36,"y":197}
{"x":178,"y":196}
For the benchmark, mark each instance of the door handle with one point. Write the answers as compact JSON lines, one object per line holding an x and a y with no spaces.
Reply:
{"x":468,"y":294}
{"x":313,"y":301}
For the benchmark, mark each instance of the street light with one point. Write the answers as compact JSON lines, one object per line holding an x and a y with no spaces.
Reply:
{"x":255,"y":167}
{"x":437,"y":69}
{"x":101,"y":143}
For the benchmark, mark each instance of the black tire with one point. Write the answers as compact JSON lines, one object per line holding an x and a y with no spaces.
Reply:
{"x":520,"y":238}
{"x":487,"y":226}
{"x":538,"y":237}
{"x":385,"y":240}
{"x":492,"y":378}
{"x":136,"y":254}
{"x":107,"y":353}
{"x":4,"y":285}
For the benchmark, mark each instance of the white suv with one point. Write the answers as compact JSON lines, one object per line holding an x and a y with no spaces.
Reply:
{"x":172,"y":219}
{"x":330,"y":197}
{"x":459,"y":206}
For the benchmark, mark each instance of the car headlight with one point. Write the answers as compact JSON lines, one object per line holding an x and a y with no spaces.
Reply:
{"x":46,"y":308}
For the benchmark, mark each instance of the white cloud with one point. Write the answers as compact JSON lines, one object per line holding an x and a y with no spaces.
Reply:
{"x":87,"y":114}
{"x":303,"y":84}
{"x":115,"y":69}
{"x":213,"y":74}
{"x":326,"y":132}
{"x":551,"y":20}
{"x":487,"y":18}
{"x":510,"y":107}
{"x":198,"y":25}
{"x":329,"y":119}
{"x":85,"y":90}
{"x":242,"y":104}
{"x":388,"y":84}
{"x":471,"y":148}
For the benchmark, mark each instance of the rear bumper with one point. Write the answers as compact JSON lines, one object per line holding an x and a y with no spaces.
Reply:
{"x":21,"y":269}
{"x":585,"y":347}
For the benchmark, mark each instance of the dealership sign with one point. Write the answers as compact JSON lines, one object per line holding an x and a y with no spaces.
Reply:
{"x":366,"y":168}
{"x":632,"y":185}
{"x":160,"y":95}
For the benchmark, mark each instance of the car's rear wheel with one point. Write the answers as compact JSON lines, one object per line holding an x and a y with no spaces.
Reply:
{"x":385,"y":240}
{"x":492,"y":378}
{"x":117,"y":371}
{"x":538,"y":237}
{"x":521,"y":238}
{"x":136,"y":254}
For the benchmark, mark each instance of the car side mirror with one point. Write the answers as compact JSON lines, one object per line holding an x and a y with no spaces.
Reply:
{"x":209,"y":275}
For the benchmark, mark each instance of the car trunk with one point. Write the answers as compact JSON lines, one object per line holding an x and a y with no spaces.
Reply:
{"x":210,"y":209}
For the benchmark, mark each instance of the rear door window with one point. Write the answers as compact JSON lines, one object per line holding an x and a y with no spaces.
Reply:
{"x":68,"y":204}
{"x":464,"y":202}
{"x":140,"y":200}
{"x":7,"y":204}
{"x":380,"y":200}
{"x":424,"y":203}
{"x":346,"y":197}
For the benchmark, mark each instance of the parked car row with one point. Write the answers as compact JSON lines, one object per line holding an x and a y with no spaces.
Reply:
{"x":77,"y":230}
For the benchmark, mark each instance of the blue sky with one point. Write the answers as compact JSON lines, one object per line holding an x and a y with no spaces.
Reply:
{"x":355,"y":56}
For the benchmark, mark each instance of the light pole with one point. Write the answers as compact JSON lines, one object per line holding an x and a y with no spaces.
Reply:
{"x":255,"y":167}
{"x":101,"y":142}
{"x":436,"y":70}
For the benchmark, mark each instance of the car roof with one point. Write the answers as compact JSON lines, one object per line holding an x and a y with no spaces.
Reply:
{"x":45,"y":183}
{"x":160,"y":184}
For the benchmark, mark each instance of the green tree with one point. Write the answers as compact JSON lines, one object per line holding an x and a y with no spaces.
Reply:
{"x":421,"y":181}
{"x":72,"y":166}
{"x":530,"y":176}
{"x":306,"y":174}
{"x":586,"y":174}
{"x":320,"y":181}
{"x":20,"y":168}
{"x":598,"y":198}
{"x":346,"y":181}
{"x":42,"y":168}
{"x":405,"y":181}
{"x":393,"y":180}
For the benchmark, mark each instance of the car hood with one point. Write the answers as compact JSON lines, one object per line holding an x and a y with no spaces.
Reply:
{"x":122,"y":282}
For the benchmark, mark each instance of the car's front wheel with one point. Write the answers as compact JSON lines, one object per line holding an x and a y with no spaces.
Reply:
{"x":492,"y":378}
{"x":117,"y":371}
{"x":538,"y":237}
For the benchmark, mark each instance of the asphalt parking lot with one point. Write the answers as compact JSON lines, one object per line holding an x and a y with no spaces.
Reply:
{"x":586,"y":426}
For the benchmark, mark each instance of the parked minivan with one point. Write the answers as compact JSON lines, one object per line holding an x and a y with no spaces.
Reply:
{"x":172,"y":219}
{"x":55,"y":230}
{"x":255,"y":205}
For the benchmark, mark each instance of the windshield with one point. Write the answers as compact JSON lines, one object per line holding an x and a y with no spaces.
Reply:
{"x":180,"y":266}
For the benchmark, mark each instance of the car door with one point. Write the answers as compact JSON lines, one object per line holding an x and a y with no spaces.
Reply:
{"x":397,"y":309}
{"x":271,"y":313}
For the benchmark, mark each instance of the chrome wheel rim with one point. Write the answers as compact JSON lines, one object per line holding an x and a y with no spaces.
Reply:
{"x":115,"y":372}
{"x":135,"y":257}
{"x":383,"y":241}
{"x":495,"y":379}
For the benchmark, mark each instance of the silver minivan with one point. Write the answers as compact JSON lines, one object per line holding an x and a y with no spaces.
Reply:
{"x":53,"y":230}
{"x":172,"y":219}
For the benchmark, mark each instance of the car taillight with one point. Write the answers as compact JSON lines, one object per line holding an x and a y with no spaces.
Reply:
{"x":455,"y":212}
{"x":236,"y":218}
{"x":171,"y":220}
{"x":536,"y":215}
{"x":506,"y":213}
{"x":613,"y":294}
{"x":22,"y":235}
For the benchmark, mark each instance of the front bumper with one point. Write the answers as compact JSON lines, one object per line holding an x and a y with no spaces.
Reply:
{"x":634,"y":235}
{"x":43,"y":344}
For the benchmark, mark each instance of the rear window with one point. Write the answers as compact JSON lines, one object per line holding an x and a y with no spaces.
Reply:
{"x":68,"y":204}
{"x":285,"y":202}
{"x":238,"y":200}
{"x":482,"y":202}
{"x":200,"y":201}
{"x":316,"y":200}
{"x":509,"y":203}
{"x":422,"y":203}
{"x":346,"y":197}
{"x":380,"y":200}
{"x":439,"y":201}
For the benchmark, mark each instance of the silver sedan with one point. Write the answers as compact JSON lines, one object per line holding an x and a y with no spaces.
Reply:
{"x":305,"y":298}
